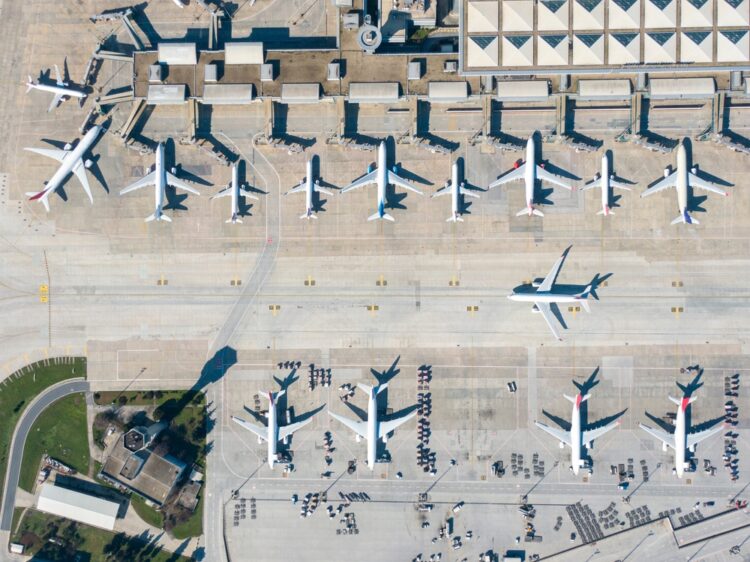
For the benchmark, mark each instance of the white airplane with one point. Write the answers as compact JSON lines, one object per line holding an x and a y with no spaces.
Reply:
{"x":71,"y":160}
{"x":456,"y":189}
{"x":682,"y":178}
{"x":529,"y":172}
{"x":544,"y":297}
{"x":309,"y":186}
{"x":680,"y":437}
{"x":381,"y":177}
{"x":576,"y":437}
{"x":605,"y":180}
{"x":374,"y":428}
{"x":61,"y":90}
{"x":234,"y":189}
{"x":159,"y":178}
{"x":273,"y":432}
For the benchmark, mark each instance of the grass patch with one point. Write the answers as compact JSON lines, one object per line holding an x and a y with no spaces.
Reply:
{"x":147,"y":513}
{"x":71,"y":538}
{"x":17,"y":512}
{"x":193,"y":527}
{"x":421,"y":33}
{"x":60,"y":431}
{"x":136,"y":398}
{"x":17,"y":392}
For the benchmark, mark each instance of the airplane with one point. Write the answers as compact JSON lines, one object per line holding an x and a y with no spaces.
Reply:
{"x":71,"y":160}
{"x":605,"y":180}
{"x":179,"y":3}
{"x":234,"y":189}
{"x":546,"y":298}
{"x":381,"y":177}
{"x":374,"y":428}
{"x":529,"y":172}
{"x":159,"y":178}
{"x":578,"y":437}
{"x":60,"y":89}
{"x":682,"y":178}
{"x":273,"y":432}
{"x":456,"y":189}
{"x":680,"y":438}
{"x":309,"y":186}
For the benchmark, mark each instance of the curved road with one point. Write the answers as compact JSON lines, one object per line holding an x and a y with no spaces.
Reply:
{"x":29,"y":416}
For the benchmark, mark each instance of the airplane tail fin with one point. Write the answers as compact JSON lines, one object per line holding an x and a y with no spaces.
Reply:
{"x":454,"y":218}
{"x":569,"y":398}
{"x":365,"y":388}
{"x":585,"y":304}
{"x":606,"y":211}
{"x":384,"y":216}
{"x":271,"y":396}
{"x":234,"y":220}
{"x":675,"y":400}
{"x":685,"y":218}
{"x":158,"y":216}
{"x":530,"y":211}
{"x":29,"y":84}
{"x":40,"y":196}
{"x":382,"y":387}
{"x":309,"y":215}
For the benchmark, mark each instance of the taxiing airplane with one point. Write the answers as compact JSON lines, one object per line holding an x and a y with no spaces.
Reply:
{"x":309,"y":186}
{"x":682,"y":178}
{"x":529,"y":172}
{"x":273,"y":432}
{"x":381,"y":177}
{"x":234,"y":190}
{"x":60,"y":89}
{"x":456,"y":189}
{"x":373,"y":428}
{"x":576,"y":436}
{"x":680,"y":438}
{"x":605,"y":180}
{"x":160,"y":178}
{"x":546,"y":296}
{"x":71,"y":161}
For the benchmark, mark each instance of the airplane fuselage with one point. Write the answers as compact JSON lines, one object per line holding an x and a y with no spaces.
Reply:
{"x":273,"y":431}
{"x":455,"y":192}
{"x":546,"y":297}
{"x":70,"y":161}
{"x":309,"y":189}
{"x":57,"y":90}
{"x":372,"y":428}
{"x":680,"y":438}
{"x":682,"y":179}
{"x":235,"y":192}
{"x":575,"y":435}
{"x":605,"y":185}
{"x":382,"y":178}
{"x":160,"y":180}
{"x":529,"y":176}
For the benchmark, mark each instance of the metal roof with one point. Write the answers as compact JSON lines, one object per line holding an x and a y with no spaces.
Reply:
{"x":448,"y":91}
{"x":227,"y":94}
{"x":604,"y":89}
{"x":166,"y":94}
{"x":243,"y":53}
{"x":523,"y":90}
{"x":80,"y":507}
{"x":374,"y":92}
{"x":681,"y":88}
{"x":178,"y":53}
{"x":300,"y":93}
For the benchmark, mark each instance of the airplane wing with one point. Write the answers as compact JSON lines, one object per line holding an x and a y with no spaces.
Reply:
{"x":544,"y":175}
{"x":246,"y":193}
{"x":590,"y":435}
{"x":544,"y":309}
{"x":593,"y":183}
{"x":695,"y":438}
{"x":669,"y":181}
{"x":443,"y":190}
{"x":286,"y":430}
{"x":364,"y":180}
{"x":386,"y":427}
{"x":549,"y":281}
{"x":513,"y":175}
{"x":80,"y":171}
{"x":695,"y":181}
{"x":358,"y":427}
{"x":662,"y":436}
{"x":298,"y":189}
{"x":561,"y":436}
{"x":148,"y":179}
{"x":174,"y":181}
{"x":401,"y":182}
{"x":226,"y":192}
{"x":55,"y":102}
{"x":58,"y":78}
{"x":619,"y":185}
{"x":261,"y":432}
{"x":54,"y":153}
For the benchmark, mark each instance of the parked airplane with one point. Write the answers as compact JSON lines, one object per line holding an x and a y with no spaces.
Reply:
{"x":529,"y":172}
{"x":680,"y":438}
{"x":576,"y":436}
{"x":605,"y":180}
{"x":309,"y":186}
{"x":273,"y":432}
{"x":60,"y":89}
{"x":546,"y":296}
{"x":373,"y":428}
{"x":381,"y":177}
{"x":71,"y":160}
{"x":456,"y":189}
{"x":234,"y":190}
{"x":682,"y":178}
{"x":159,"y":178}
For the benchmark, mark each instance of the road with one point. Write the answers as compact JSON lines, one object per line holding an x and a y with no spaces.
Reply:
{"x":40,"y":403}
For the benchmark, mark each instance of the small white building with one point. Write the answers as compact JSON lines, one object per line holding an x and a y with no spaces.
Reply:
{"x":78,"y":506}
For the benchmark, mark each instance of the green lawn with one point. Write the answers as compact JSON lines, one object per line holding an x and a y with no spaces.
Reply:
{"x":18,"y":391}
{"x":60,"y":431}
{"x":103,"y":546}
{"x":136,"y":398}
{"x":146,"y":513}
{"x":193,"y":527}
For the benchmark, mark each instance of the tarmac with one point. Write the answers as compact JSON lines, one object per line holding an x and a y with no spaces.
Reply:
{"x":152,"y":305}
